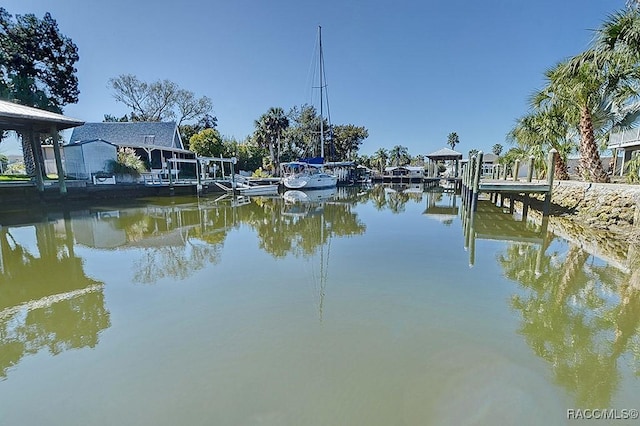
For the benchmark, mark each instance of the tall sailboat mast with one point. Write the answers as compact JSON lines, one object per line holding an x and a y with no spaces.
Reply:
{"x":321,"y":98}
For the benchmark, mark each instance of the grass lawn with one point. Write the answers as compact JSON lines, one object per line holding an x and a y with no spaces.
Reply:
{"x":12,"y":178}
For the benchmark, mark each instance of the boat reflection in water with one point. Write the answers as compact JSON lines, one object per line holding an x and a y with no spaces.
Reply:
{"x":308,"y":196}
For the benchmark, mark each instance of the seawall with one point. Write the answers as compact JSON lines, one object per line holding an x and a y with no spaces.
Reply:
{"x":599,"y":205}
{"x":602,"y":219}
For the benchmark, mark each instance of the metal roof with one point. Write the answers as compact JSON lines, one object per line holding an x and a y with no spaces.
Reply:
{"x":88,"y":141}
{"x":20,"y":117}
{"x":445,"y":154}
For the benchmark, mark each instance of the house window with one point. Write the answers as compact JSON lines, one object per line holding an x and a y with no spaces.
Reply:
{"x":149,"y":139}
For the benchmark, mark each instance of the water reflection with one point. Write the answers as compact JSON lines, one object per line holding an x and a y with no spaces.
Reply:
{"x":441,"y":205}
{"x":579,"y":316}
{"x":395,"y":196}
{"x":180,"y":236}
{"x":490,"y":222}
{"x":46,"y":299}
{"x":578,"y":313}
{"x":173,"y":240}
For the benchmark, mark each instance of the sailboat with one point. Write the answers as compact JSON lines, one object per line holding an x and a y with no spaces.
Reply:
{"x":304,"y":174}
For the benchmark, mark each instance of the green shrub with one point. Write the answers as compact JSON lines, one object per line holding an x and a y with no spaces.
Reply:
{"x":127,"y":163}
{"x":633,"y":169}
{"x":16,"y":168}
{"x":259,"y":173}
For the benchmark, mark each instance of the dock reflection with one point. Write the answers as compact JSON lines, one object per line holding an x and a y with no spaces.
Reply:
{"x":578,"y":312}
{"x":442,"y":206}
{"x":492,"y":222}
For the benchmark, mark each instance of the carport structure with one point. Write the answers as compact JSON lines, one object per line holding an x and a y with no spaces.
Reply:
{"x":30,"y":123}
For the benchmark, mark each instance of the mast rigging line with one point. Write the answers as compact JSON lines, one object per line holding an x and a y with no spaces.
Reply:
{"x":317,"y":72}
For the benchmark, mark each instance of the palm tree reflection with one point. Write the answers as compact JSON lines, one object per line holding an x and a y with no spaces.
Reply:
{"x":577,"y":315}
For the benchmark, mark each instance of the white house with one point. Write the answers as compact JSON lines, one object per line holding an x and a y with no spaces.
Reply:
{"x":626,"y":142}
{"x":410,"y":172}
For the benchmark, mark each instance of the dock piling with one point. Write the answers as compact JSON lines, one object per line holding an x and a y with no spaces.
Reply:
{"x":530,"y":169}
{"x":551,"y":161}
{"x":476,"y":180}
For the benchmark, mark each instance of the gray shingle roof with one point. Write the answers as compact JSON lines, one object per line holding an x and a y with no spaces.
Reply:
{"x":131,"y":134}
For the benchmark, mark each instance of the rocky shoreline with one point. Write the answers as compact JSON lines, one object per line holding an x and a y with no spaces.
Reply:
{"x":609,"y":207}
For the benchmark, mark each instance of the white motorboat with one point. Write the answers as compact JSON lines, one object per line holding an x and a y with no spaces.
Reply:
{"x":301,"y":175}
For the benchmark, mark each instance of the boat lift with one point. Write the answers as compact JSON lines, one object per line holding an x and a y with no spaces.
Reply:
{"x":211,"y":170}
{"x":207,"y":171}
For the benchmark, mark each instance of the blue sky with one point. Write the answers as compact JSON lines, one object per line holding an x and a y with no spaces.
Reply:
{"x":410,"y":72}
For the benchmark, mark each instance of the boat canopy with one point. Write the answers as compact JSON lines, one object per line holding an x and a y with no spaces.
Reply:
{"x":312,"y":160}
{"x":300,"y":165}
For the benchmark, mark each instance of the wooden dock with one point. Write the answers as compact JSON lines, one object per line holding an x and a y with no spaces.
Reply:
{"x":474,"y":183}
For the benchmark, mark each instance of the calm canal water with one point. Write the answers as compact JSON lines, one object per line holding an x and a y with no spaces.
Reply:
{"x":358,"y":307}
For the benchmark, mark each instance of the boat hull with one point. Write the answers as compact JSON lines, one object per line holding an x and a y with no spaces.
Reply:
{"x":310,"y":182}
{"x":259,"y":190}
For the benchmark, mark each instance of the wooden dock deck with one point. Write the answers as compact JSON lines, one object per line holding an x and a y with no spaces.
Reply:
{"x":474,"y":182}
{"x":495,"y":185}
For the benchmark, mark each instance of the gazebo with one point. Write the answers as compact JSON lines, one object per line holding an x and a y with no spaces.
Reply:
{"x":445,"y":154}
{"x":31,"y":121}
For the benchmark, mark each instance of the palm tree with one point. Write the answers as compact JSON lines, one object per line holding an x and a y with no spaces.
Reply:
{"x":453,"y":140}
{"x":620,"y":32}
{"x":528,"y":145}
{"x":381,"y":156}
{"x":605,"y":80}
{"x":418,"y":160}
{"x":543,"y":129}
{"x":578,"y":88}
{"x":513,"y":154}
{"x":497,"y":149}
{"x":399,"y":154}
{"x":269,"y":130}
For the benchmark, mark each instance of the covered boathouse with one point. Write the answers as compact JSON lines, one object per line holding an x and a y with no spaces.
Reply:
{"x":31,"y":123}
